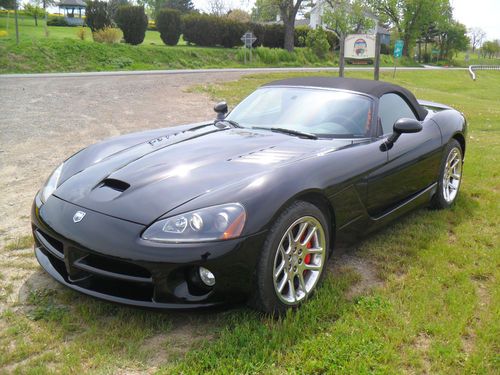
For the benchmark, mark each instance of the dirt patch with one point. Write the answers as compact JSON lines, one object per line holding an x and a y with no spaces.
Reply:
{"x":367,"y":271}
{"x":422,"y":343}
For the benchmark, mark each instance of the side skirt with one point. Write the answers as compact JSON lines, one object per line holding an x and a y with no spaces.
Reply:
{"x":365,"y":224}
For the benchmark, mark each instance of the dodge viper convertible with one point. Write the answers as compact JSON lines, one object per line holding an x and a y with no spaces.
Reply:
{"x":250,"y":205}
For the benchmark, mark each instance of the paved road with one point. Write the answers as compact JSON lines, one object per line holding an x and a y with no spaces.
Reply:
{"x":211,"y":71}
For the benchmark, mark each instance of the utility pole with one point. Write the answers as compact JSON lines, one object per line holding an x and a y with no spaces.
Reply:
{"x":376,"y":69}
{"x":17,"y":24}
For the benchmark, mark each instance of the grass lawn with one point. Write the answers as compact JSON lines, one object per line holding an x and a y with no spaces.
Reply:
{"x":63,"y":51}
{"x":436,"y":309}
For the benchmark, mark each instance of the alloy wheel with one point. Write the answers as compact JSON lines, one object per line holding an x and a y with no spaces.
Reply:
{"x":299,"y":260}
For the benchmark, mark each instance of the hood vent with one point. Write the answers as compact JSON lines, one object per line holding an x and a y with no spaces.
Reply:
{"x":271,"y":155}
{"x":117,"y":185}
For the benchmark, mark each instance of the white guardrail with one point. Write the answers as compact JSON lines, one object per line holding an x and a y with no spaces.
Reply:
{"x":481,"y":67}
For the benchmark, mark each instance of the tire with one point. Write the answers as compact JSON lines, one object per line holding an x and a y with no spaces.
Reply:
{"x":302,"y":261}
{"x":450,"y":176}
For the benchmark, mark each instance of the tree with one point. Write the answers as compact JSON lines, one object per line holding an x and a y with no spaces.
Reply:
{"x":409,"y":16}
{"x":98,"y":17}
{"x":452,"y":37}
{"x":34,"y":10}
{"x":288,"y":11}
{"x":476,"y":36}
{"x":133,"y":22}
{"x":265,"y":11}
{"x":490,"y":48}
{"x":347,"y":17}
{"x":217,"y":7}
{"x":238,"y":15}
{"x":113,"y":6}
{"x":169,"y":24}
{"x":183,"y":6}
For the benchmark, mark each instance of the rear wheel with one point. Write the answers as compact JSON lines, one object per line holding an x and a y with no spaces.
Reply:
{"x":293,"y":259}
{"x":450,"y":176}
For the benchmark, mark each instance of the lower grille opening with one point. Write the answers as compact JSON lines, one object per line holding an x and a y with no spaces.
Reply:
{"x":55,"y":244}
{"x":119,"y":288}
{"x":115,"y":266}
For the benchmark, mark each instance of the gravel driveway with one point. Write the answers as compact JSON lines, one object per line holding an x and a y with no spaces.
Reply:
{"x":45,"y":120}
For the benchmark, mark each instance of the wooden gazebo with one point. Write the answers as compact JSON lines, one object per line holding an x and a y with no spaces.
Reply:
{"x":70,"y":7}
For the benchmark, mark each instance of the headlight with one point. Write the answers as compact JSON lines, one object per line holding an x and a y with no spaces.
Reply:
{"x":208,"y":224}
{"x":51,"y":184}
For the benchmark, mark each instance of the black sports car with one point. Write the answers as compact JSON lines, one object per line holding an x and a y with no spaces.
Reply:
{"x":247,"y":206}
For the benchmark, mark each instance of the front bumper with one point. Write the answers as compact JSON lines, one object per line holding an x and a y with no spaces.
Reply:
{"x":105,"y":257}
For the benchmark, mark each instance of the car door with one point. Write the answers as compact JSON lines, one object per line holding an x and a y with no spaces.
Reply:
{"x":412,"y":163}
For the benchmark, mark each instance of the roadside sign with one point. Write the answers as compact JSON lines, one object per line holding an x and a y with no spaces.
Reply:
{"x":398,"y":48}
{"x":248,"y":39}
{"x":398,"y":52}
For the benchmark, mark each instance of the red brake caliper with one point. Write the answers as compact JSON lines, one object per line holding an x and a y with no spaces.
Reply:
{"x":307,"y":258}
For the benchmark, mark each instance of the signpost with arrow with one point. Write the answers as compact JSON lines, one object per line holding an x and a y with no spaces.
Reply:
{"x":248,"y":39}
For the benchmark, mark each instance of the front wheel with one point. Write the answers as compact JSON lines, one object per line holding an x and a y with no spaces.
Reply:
{"x":293,"y":259}
{"x":450,"y":176}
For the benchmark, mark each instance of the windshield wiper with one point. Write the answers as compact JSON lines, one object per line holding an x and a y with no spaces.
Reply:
{"x":289,"y":131}
{"x":233,"y":124}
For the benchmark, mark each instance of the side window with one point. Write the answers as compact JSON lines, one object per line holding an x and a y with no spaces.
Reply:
{"x":391,"y":108}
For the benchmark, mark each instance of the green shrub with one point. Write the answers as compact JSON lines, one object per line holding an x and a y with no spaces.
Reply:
{"x":107,"y":35}
{"x":269,"y":35}
{"x":97,"y":15}
{"x":57,"y":21}
{"x":209,"y":30}
{"x":317,"y":42}
{"x":230,"y":32}
{"x":133,"y":22}
{"x":169,"y":24}
{"x":301,"y":35}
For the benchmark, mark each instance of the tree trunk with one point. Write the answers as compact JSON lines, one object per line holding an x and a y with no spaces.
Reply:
{"x":341,"y":55}
{"x":36,"y":20}
{"x":406,"y":47}
{"x":289,"y":33}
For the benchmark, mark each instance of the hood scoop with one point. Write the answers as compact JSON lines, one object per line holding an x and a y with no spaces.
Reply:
{"x":108,"y":189}
{"x":114,"y":184}
{"x":270,"y":155}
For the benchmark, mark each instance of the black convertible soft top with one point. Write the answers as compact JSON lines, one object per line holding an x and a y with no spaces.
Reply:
{"x":373,"y":88}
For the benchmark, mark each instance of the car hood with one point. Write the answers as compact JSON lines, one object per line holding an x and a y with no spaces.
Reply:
{"x":146,"y":180}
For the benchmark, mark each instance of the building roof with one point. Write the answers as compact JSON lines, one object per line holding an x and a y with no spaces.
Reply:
{"x":72,"y":4}
{"x":373,"y":88}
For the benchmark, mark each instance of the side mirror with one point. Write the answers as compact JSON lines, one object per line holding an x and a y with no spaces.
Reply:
{"x":403,"y":125}
{"x":221,"y":109}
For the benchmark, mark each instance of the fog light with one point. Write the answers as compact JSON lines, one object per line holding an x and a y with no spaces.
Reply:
{"x":207,"y":277}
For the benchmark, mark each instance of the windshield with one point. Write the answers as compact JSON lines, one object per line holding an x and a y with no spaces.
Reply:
{"x":324,"y":113}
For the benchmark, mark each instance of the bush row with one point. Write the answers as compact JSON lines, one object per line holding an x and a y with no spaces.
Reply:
{"x":208,"y":30}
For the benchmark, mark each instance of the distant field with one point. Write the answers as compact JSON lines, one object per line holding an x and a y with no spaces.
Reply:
{"x":430,"y":306}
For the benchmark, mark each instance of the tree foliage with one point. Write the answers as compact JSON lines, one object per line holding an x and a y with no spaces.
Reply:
{"x":97,"y":15}
{"x":35,"y":11}
{"x":265,"y":11}
{"x":113,"y":6}
{"x":410,"y":16}
{"x":133,"y":22}
{"x":347,"y":17}
{"x":169,"y":24}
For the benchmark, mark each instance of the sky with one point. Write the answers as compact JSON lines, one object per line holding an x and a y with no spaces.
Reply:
{"x":479,"y":13}
{"x":472,"y":13}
